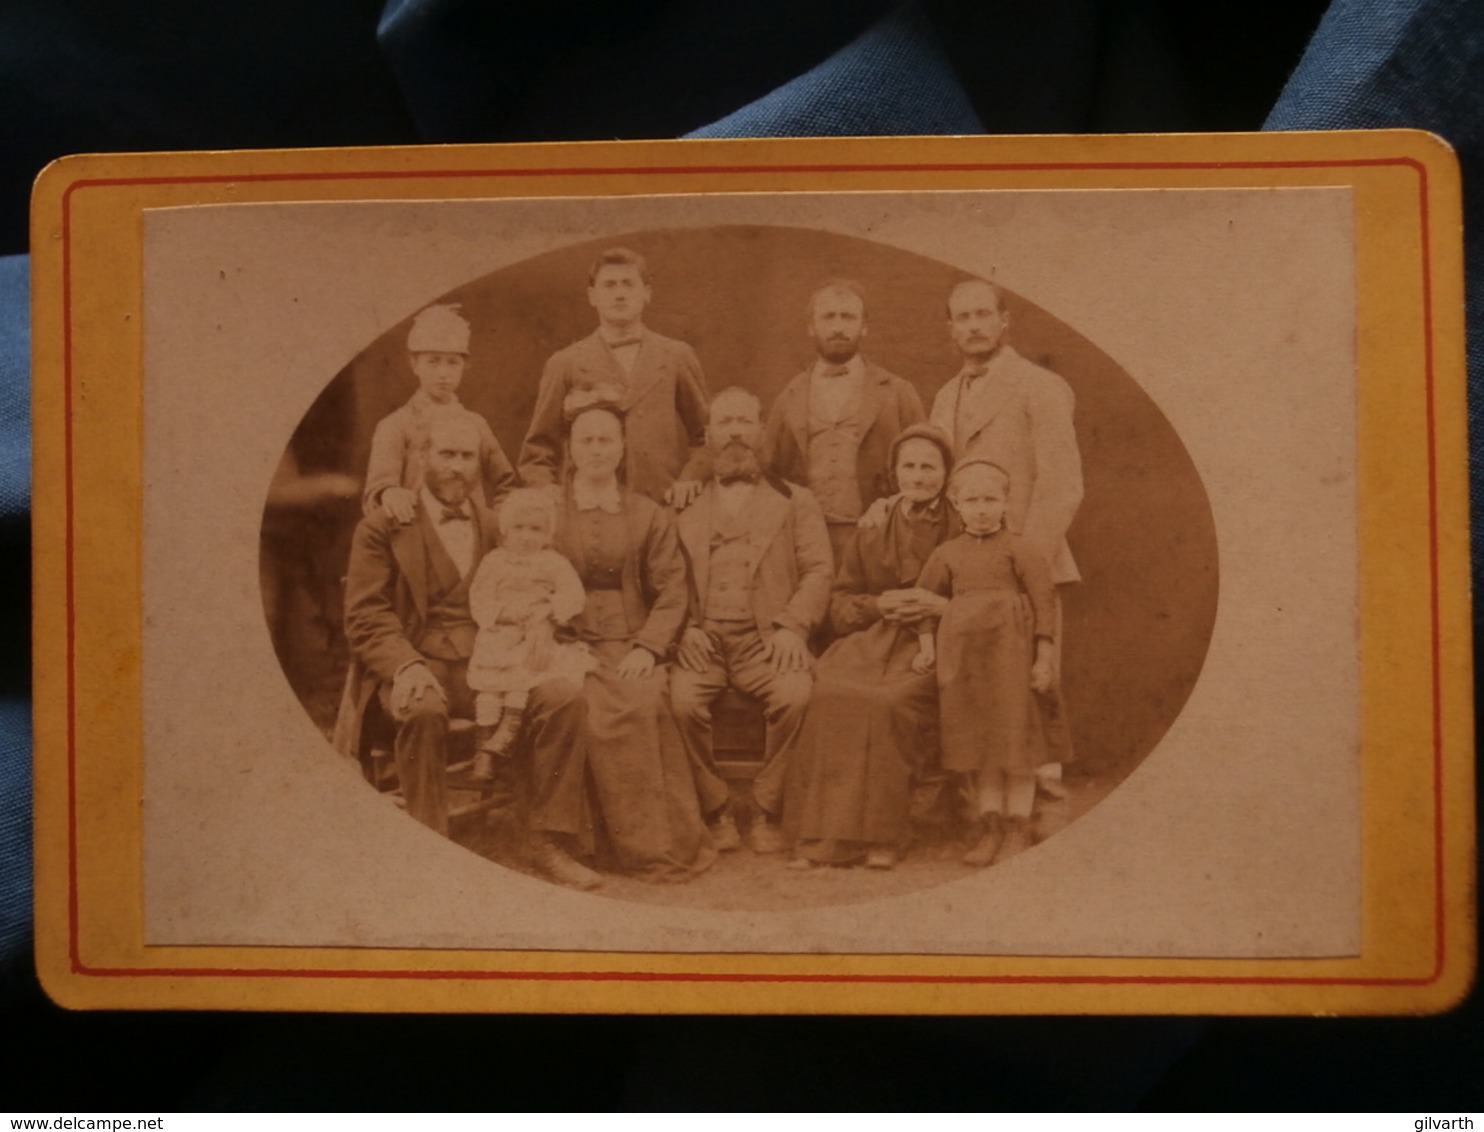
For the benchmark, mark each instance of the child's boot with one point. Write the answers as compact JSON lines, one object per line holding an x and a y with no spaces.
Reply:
{"x":484,"y":754}
{"x":988,"y":846}
{"x":506,"y":731}
{"x":1018,"y":837}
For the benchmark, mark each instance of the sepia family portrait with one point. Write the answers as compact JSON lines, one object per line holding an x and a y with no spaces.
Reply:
{"x":909,"y":573}
{"x":766,"y":602}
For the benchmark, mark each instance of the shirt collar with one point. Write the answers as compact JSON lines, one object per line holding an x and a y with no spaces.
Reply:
{"x":617,"y":340}
{"x":970,"y":372}
{"x":929,"y":510}
{"x":605,"y":498}
{"x":855,"y":368}
{"x":433,"y":506}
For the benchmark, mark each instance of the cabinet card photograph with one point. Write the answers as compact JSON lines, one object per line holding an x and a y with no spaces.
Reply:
{"x":917,"y":576}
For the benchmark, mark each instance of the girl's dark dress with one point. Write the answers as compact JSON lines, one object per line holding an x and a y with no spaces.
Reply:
{"x":1001,"y":599}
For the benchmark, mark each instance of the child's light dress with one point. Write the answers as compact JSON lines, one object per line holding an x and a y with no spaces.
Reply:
{"x":515,"y":648}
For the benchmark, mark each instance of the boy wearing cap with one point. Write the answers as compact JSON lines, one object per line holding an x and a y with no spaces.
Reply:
{"x":438,"y":351}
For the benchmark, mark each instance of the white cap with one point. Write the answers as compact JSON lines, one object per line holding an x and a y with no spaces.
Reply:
{"x":439,"y":329}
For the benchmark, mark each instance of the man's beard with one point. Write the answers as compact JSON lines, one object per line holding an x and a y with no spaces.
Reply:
{"x":736,"y":460}
{"x":449,"y":488}
{"x":837,"y":351}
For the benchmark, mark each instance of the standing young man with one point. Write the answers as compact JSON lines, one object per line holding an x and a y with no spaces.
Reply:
{"x":657,"y":381}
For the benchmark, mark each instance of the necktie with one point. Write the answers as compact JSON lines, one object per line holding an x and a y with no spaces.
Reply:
{"x":620,"y":343}
{"x":835,"y":371}
{"x":453,"y":515}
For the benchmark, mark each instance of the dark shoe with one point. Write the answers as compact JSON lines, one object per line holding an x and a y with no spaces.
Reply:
{"x":1018,"y":837}
{"x":987,"y":848}
{"x":724,"y":833}
{"x":766,"y":836}
{"x":560,"y":866}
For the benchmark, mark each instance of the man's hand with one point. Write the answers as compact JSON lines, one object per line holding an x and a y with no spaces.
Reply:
{"x":787,"y":652}
{"x":923,"y":662}
{"x":1043,"y":672}
{"x":696,"y":650}
{"x":682,"y":493}
{"x":877,"y":514}
{"x":638,"y":664}
{"x":410,"y":689}
{"x":399,"y":504}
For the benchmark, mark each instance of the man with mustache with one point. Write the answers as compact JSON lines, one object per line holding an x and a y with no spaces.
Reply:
{"x":760,"y":577}
{"x":410,"y":632}
{"x":1005,"y":409}
{"x":833,"y":425}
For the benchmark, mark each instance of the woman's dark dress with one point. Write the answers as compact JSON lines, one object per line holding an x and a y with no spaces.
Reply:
{"x":642,"y":787}
{"x":872,"y":720}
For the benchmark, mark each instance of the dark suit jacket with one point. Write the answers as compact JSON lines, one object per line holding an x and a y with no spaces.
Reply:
{"x":888,"y":405}
{"x":665,"y":399}
{"x":791,"y":555}
{"x":386,"y":603}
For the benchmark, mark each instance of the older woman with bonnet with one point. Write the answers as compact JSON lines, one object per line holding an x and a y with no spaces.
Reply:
{"x":872,"y":721}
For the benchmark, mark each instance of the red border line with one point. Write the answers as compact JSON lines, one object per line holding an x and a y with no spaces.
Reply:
{"x":1439,"y":901}
{"x":708,"y":170}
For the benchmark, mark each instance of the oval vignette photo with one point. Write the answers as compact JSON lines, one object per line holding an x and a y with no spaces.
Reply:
{"x":739,"y":567}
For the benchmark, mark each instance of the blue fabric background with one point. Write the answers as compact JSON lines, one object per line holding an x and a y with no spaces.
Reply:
{"x":88,"y":75}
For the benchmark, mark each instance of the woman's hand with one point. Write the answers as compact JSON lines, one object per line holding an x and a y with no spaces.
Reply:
{"x":637,"y":665}
{"x":542,"y":649}
{"x":891,"y":605}
{"x":903,"y":607}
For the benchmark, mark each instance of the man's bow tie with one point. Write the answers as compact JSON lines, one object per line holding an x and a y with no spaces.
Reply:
{"x":620,"y":343}
{"x":453,"y":515}
{"x":835,"y":371}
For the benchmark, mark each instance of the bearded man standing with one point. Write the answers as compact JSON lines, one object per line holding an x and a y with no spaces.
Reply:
{"x":833,"y":425}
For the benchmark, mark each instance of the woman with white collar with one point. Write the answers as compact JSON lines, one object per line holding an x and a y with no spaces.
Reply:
{"x":624,"y":548}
